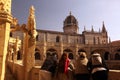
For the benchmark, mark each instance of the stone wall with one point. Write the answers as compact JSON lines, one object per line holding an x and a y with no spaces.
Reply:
{"x":113,"y":64}
{"x":17,"y":70}
{"x":114,"y":75}
{"x":37,"y":74}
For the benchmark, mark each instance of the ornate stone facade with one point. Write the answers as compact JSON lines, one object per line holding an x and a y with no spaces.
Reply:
{"x":22,"y":50}
{"x":70,"y":41}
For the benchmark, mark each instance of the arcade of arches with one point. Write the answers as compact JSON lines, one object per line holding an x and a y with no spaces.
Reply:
{"x":40,"y":56}
{"x":105,"y":54}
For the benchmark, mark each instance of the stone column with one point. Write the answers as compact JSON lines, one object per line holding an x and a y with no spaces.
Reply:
{"x":60,"y":50}
{"x":5,"y":21}
{"x":76,"y":51}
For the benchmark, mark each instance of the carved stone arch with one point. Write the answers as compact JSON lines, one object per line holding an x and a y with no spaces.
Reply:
{"x":117,"y":54}
{"x":57,"y":38}
{"x":117,"y":50}
{"x":70,"y":52}
{"x":106,"y":55}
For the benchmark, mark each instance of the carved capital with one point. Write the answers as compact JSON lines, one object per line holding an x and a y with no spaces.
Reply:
{"x":5,"y":17}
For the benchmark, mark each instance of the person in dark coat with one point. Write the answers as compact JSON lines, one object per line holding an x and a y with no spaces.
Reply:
{"x":50,"y":64}
{"x":97,"y":67}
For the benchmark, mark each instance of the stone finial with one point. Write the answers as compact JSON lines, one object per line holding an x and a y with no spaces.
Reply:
{"x":92,"y":29}
{"x":109,"y":40}
{"x":32,"y":23}
{"x":31,"y":19}
{"x":32,"y":10}
{"x":84,"y":28}
{"x":5,"y":6}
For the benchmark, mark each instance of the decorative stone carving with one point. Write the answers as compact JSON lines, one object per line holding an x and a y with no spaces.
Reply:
{"x":1,"y":6}
{"x":5,"y":6}
{"x":30,"y":42}
{"x":32,"y":27}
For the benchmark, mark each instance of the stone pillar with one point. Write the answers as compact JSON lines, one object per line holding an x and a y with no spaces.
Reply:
{"x":30,"y":44}
{"x":76,"y":51}
{"x":43,"y":51}
{"x":60,"y":52}
{"x":15,"y":50}
{"x":15,"y":54}
{"x":5,"y":21}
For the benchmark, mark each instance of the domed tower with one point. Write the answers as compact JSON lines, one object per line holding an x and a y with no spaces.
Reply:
{"x":70,"y":25}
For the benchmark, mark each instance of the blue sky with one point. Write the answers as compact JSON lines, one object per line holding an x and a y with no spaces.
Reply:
{"x":50,"y":14}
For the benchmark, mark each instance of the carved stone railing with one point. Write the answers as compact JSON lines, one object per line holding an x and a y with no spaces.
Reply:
{"x":38,"y":74}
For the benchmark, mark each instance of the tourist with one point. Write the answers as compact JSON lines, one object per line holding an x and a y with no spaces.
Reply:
{"x":97,"y":67}
{"x":80,"y":64}
{"x":50,"y":64}
{"x":62,"y":69}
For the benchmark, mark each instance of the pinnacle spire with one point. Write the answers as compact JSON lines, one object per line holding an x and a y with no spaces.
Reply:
{"x":92,"y":29}
{"x":84,"y":28}
{"x":103,"y":27}
{"x":70,"y":12}
{"x":109,"y":40}
{"x":99,"y":29}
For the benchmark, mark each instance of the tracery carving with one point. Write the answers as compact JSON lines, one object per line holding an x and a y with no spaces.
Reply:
{"x":5,"y":6}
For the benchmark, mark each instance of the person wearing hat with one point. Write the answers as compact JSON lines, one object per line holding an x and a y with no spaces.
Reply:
{"x":80,"y":64}
{"x":97,"y":67}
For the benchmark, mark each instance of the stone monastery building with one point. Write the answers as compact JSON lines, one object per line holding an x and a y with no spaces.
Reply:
{"x":72,"y":42}
{"x":23,"y":48}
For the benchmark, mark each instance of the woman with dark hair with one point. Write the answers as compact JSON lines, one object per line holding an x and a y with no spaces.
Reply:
{"x":97,"y":67}
{"x":62,"y":69}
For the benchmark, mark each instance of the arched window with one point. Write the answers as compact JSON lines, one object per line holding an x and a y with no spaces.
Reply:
{"x":37,"y":56}
{"x":117,"y":56}
{"x":18,"y":55}
{"x":94,"y":40}
{"x":57,"y":39}
{"x":106,"y":55}
{"x":70,"y":53}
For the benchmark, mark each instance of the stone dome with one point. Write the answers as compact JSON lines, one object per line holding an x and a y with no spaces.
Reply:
{"x":70,"y":20}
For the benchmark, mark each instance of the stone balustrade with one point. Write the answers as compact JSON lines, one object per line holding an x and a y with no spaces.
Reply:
{"x":38,"y":74}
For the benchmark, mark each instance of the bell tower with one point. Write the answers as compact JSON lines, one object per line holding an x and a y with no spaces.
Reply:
{"x":5,"y":21}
